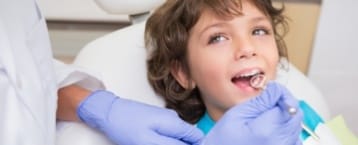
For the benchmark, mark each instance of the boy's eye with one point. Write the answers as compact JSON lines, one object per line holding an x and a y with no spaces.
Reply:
{"x":260,"y":32}
{"x":216,"y":38}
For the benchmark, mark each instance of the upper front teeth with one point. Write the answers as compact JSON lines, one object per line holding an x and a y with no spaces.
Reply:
{"x":253,"y":72}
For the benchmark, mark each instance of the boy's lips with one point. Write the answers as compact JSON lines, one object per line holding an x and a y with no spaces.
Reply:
{"x":242,"y":79}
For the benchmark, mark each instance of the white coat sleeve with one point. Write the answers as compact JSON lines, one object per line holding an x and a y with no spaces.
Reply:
{"x":68,"y":74}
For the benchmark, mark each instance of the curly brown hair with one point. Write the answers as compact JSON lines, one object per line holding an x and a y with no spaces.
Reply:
{"x":166,"y":38}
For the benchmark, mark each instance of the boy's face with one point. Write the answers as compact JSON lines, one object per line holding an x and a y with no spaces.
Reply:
{"x":224,"y":53}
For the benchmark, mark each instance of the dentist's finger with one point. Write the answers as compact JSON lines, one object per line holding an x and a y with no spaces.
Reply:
{"x":182,"y":131}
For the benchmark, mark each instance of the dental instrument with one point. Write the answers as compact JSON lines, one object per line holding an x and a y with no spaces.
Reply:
{"x":259,"y":82}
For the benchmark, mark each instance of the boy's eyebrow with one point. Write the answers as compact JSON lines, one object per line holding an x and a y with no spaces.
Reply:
{"x":259,"y":18}
{"x":220,"y":24}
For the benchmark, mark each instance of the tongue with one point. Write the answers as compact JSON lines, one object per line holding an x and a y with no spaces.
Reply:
{"x":243,"y":82}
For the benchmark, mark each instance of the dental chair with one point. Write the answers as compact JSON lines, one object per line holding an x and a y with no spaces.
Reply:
{"x":119,"y":59}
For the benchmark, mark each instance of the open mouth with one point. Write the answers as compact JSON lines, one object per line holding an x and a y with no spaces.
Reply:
{"x":244,"y":80}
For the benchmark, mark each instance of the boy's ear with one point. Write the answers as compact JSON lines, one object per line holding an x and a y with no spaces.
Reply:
{"x":181,"y":76}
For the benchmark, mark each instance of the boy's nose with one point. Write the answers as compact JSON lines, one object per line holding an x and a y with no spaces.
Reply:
{"x":244,"y":50}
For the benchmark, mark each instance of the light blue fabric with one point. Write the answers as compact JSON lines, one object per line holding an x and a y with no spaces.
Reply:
{"x":205,"y":123}
{"x":311,"y":119}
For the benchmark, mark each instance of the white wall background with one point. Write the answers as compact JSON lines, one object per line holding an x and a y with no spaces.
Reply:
{"x":77,"y":10}
{"x":334,"y":62}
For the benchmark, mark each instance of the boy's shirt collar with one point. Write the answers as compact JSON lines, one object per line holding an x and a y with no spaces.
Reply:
{"x":205,"y":123}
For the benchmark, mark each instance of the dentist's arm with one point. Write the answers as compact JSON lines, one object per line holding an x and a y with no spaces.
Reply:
{"x":68,"y":100}
{"x":125,"y":121}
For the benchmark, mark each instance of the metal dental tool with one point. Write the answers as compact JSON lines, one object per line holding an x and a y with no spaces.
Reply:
{"x":259,"y":82}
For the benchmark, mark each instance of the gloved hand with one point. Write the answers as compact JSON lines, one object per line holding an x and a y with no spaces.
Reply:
{"x":262,"y":120}
{"x":130,"y":123}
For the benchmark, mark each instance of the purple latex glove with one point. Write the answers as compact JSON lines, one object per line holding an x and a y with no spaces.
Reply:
{"x":131,"y":123}
{"x":263,"y":120}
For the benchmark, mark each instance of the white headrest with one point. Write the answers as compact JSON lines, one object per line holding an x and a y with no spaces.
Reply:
{"x":128,"y":7}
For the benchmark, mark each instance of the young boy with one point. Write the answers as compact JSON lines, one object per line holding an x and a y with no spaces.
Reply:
{"x":203,"y":54}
